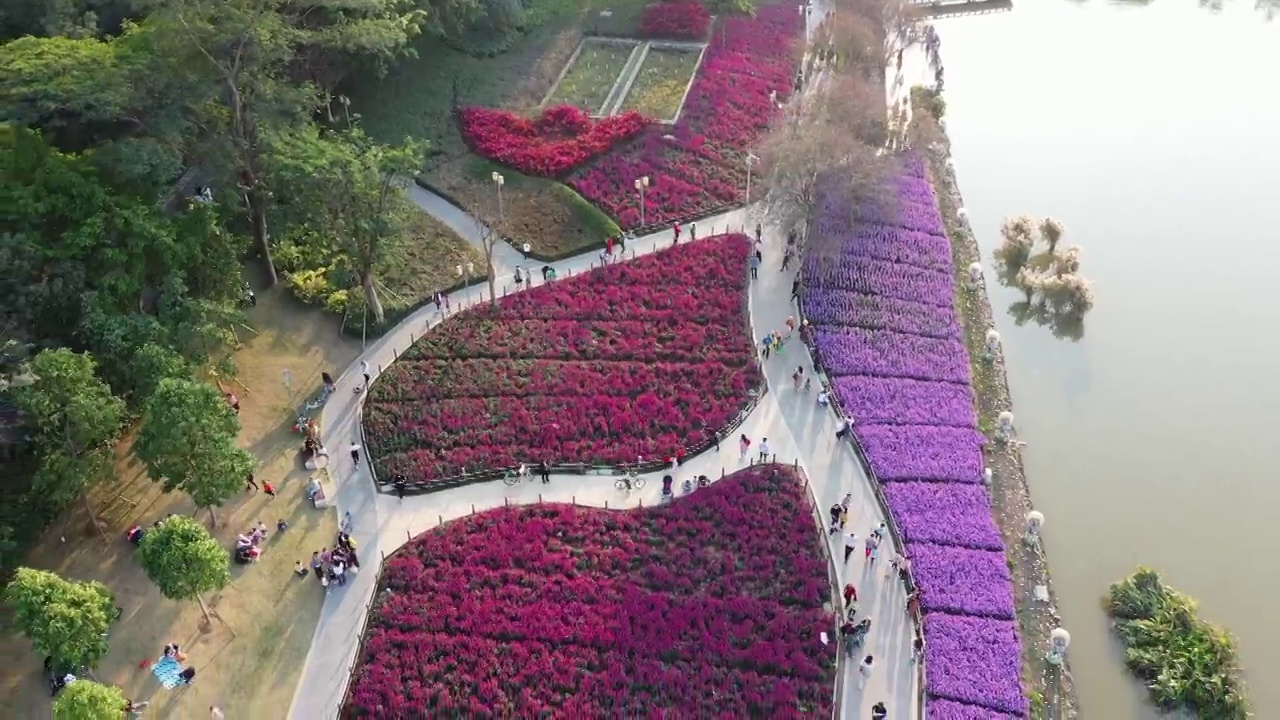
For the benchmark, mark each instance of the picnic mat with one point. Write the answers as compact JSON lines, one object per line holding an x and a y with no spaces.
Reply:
{"x":168,"y":672}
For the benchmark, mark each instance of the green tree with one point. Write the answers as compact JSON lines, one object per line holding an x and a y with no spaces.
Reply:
{"x":64,"y":619}
{"x":247,"y":53}
{"x":74,"y":421}
{"x":153,"y":364}
{"x":187,"y":441}
{"x":349,"y":190}
{"x":88,"y":700}
{"x":184,"y":560}
{"x":56,"y":80}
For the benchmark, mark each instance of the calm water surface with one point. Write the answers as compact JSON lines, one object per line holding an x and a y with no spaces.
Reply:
{"x":1153,"y":133}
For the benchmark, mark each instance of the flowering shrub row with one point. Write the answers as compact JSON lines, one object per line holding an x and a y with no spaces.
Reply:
{"x":678,"y":20}
{"x":699,"y":163}
{"x":550,"y":145}
{"x":638,"y":359}
{"x":691,"y":609}
{"x":886,"y":331}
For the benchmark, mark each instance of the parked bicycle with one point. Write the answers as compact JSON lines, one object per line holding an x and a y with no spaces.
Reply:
{"x":630,"y":481}
{"x":515,"y":477}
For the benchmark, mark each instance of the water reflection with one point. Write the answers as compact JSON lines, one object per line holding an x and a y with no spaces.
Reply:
{"x":1269,"y":8}
{"x":1063,"y":326}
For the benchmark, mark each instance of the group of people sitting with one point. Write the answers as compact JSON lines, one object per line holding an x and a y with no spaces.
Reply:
{"x":331,"y":567}
{"x":247,"y":544}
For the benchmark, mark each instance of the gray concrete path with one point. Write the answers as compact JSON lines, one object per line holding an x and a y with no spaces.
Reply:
{"x":797,"y":429}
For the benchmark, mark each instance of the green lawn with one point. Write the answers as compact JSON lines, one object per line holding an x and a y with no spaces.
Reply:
{"x":659,"y":87}
{"x":416,"y":98}
{"x":593,"y":74}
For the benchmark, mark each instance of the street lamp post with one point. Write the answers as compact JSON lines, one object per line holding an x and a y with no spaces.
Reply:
{"x":750,"y":159}
{"x":641,"y":184}
{"x":499,"y":181}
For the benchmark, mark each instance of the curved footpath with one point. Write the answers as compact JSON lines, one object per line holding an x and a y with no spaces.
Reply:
{"x":797,"y":429}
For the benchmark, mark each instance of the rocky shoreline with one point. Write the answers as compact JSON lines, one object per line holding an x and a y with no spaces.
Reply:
{"x":1052,"y":691}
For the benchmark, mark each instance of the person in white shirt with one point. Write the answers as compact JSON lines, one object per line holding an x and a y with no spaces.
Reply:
{"x":842,"y":428}
{"x":355,"y":453}
{"x":364,"y":370}
{"x":864,"y":670}
{"x":764,"y":450}
{"x":850,"y":544}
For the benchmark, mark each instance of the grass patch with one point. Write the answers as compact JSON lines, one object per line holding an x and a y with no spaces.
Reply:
{"x":593,"y":74}
{"x":417,"y":96}
{"x":425,"y":262}
{"x":1186,"y":662}
{"x":659,"y":86}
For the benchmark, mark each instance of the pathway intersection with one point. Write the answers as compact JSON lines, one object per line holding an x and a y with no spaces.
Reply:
{"x":798,"y":431}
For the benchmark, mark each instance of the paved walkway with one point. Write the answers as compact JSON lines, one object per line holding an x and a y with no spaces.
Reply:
{"x":797,"y":429}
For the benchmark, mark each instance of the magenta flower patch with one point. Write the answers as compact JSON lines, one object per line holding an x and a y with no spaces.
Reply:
{"x":639,"y":359}
{"x":688,"y":609}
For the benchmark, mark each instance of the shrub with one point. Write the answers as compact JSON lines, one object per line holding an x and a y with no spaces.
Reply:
{"x":692,"y":609}
{"x":681,"y":20}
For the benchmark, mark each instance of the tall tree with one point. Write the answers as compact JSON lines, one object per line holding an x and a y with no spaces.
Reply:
{"x":344,"y":187}
{"x":64,"y":619}
{"x":248,"y":50}
{"x":187,"y":441}
{"x":184,"y":560}
{"x":88,"y":700}
{"x":74,"y":421}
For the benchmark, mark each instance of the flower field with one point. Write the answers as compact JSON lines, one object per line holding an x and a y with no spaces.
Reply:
{"x":588,"y":81}
{"x":887,"y":334}
{"x":562,"y":138}
{"x":697,"y":164}
{"x":691,"y":609}
{"x":659,"y":85}
{"x":676,"y":20}
{"x":638,"y":359}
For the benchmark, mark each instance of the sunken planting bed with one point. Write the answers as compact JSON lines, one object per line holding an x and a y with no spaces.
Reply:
{"x":622,"y":365}
{"x":691,"y":609}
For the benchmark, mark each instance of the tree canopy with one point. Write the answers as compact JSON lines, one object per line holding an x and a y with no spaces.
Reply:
{"x":65,"y":620}
{"x":88,"y":700}
{"x":184,"y":560}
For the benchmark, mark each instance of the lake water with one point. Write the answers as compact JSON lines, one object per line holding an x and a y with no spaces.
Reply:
{"x":1153,"y":133}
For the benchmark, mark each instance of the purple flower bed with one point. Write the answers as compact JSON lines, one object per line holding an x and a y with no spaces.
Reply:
{"x":975,"y":661}
{"x":904,"y":212}
{"x":854,"y":351}
{"x":898,"y":401}
{"x":956,"y":514}
{"x":923,"y":452}
{"x":877,"y":277}
{"x":874,"y":312}
{"x":893,"y":244}
{"x":962,"y":581}
{"x":951,"y":710}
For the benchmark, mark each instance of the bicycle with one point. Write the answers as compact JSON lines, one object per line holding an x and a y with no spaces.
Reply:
{"x":515,"y":477}
{"x":630,"y":481}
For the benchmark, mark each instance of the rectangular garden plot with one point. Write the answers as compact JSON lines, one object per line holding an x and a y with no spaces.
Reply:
{"x":592,"y":74}
{"x":659,"y":86}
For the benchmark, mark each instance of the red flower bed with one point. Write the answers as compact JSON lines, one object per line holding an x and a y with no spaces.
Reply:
{"x":692,"y":609}
{"x":676,"y":20}
{"x":699,"y":164}
{"x":551,"y":145}
{"x":637,"y":359}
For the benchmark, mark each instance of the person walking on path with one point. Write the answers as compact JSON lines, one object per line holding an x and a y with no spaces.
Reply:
{"x":880,"y":531}
{"x":759,"y":233}
{"x":767,"y":342}
{"x":251,"y":483}
{"x":399,"y":482}
{"x":836,"y":511}
{"x":329,"y":385}
{"x":864,"y":671}
{"x":842,"y":428}
{"x":850,"y":594}
{"x":755,"y":266}
{"x":354,"y":448}
{"x":764,"y":450}
{"x":544,"y":469}
{"x":268,"y":488}
{"x":879,"y":712}
{"x":847,"y":501}
{"x":744,"y":446}
{"x":917,"y":650}
{"x":795,"y":289}
{"x":675,"y":228}
{"x":316,"y":564}
{"x":693,"y":231}
{"x":439,"y":303}
{"x":850,"y":545}
{"x":364,"y":370}
{"x":797,"y":377}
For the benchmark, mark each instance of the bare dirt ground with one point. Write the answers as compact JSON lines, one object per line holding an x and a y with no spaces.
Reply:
{"x":249,"y":661}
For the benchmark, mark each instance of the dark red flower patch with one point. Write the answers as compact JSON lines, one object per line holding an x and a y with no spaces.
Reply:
{"x":692,"y":609}
{"x":681,"y":20}
{"x":636,"y":360}
{"x":551,"y":145}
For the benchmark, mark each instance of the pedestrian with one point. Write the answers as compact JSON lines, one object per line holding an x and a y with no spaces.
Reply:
{"x":608,"y":247}
{"x":446,"y":304}
{"x":340,"y":573}
{"x":764,"y":450}
{"x":759,"y":233}
{"x":755,"y":266}
{"x":844,"y":517}
{"x":215,"y":713}
{"x":544,"y":469}
{"x":847,"y":501}
{"x":744,"y":446}
{"x":675,"y":227}
{"x":778,"y":341}
{"x":797,"y":377}
{"x":329,"y":385}
{"x":878,"y":712}
{"x":693,"y":231}
{"x":715,"y":439}
{"x":842,"y":428}
{"x":913,"y":604}
{"x":545,"y":269}
{"x":795,"y":289}
{"x":864,"y":670}
{"x":399,"y":482}
{"x":835,"y":517}
{"x":299,"y":570}
{"x":250,"y":483}
{"x":622,"y":243}
{"x":187,"y":676}
{"x":354,"y":448}
{"x":439,"y":303}
{"x":364,"y":370}
{"x":786,"y":260}
{"x":850,"y":544}
{"x":316,"y":564}
{"x":870,"y":549}
{"x":850,"y":594}
{"x":281,"y":525}
{"x":880,"y":531}
{"x":767,"y":342}
{"x":917,"y":650}
{"x":904,"y":570}
{"x":791,"y":238}
{"x":268,"y":488}
{"x":134,"y":709}
{"x":347,"y":524}
{"x":326,"y":557}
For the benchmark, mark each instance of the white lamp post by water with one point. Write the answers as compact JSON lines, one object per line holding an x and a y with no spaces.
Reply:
{"x":963,"y":214}
{"x":992,"y":344}
{"x":1035,"y":521}
{"x":641,"y":184}
{"x":751,"y":159}
{"x":1059,"y":641}
{"x":1004,"y":426}
{"x":975,"y":273}
{"x":499,"y":181}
